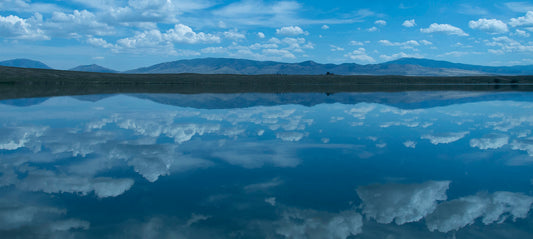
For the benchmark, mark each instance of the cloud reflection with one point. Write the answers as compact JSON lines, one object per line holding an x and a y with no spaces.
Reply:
{"x":401,"y":203}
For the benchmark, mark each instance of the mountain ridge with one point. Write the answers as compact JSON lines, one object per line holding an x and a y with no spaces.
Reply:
{"x":402,"y":66}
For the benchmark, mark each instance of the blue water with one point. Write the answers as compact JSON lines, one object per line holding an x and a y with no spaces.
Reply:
{"x":352,"y":165}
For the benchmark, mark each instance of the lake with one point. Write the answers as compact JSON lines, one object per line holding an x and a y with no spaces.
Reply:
{"x":411,"y":164}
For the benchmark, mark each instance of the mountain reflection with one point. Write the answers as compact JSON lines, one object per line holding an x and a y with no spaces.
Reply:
{"x":369,"y":165}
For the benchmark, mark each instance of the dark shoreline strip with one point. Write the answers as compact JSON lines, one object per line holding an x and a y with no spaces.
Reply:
{"x":28,"y":83}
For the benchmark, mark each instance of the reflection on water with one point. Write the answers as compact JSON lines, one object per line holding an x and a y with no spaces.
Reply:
{"x":369,"y":165}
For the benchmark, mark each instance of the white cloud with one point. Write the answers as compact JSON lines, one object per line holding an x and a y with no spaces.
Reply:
{"x":490,"y":141}
{"x":76,"y":23}
{"x":521,"y":33}
{"x":426,"y":42}
{"x":519,"y":6}
{"x":444,"y":28}
{"x":401,"y":203}
{"x":300,"y":224}
{"x":234,"y":35}
{"x":336,"y":48}
{"x":380,"y":22}
{"x":409,"y":23}
{"x":507,"y":44}
{"x":18,"y":28}
{"x":99,"y":42}
{"x":445,"y":138}
{"x":489,"y":25}
{"x":291,"y":31}
{"x":372,"y":29}
{"x":325,"y":27}
{"x":184,"y":34}
{"x":524,"y":145}
{"x":157,"y":42}
{"x":525,"y":21}
{"x":261,"y":35}
{"x":360,"y":55}
{"x":356,"y":43}
{"x":254,"y":12}
{"x":406,"y":44}
{"x":493,"y":208}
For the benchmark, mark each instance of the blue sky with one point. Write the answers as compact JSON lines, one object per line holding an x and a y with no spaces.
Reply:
{"x":125,"y":34}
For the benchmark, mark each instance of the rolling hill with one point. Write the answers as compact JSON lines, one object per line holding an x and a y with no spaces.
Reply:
{"x":24,"y":63}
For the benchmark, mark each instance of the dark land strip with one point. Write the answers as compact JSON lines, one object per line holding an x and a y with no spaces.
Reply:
{"x":28,"y":83}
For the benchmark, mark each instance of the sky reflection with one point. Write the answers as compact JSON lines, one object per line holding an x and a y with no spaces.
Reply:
{"x":126,"y":163}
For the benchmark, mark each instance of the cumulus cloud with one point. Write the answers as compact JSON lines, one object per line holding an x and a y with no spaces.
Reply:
{"x":489,"y":25}
{"x":291,"y":31}
{"x":443,"y":28}
{"x":494,"y":208}
{"x":360,"y":55}
{"x":401,"y":203}
{"x":297,"y":223}
{"x":525,"y":21}
{"x":445,"y":138}
{"x":490,"y":141}
{"x":18,"y":28}
{"x":325,"y":27}
{"x":409,"y":23}
{"x":158,"y":42}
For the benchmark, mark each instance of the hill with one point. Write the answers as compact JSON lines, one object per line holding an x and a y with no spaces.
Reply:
{"x":93,"y":68}
{"x":24,"y":63}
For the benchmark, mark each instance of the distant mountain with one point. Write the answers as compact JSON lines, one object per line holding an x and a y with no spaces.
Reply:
{"x":404,"y":66}
{"x":24,"y":63}
{"x":505,"y":70}
{"x":93,"y":68}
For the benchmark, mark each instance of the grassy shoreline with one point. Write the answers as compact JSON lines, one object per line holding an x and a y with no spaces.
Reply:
{"x":28,"y":83}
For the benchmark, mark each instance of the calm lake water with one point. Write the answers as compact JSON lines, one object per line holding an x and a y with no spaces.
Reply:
{"x":348,"y":165}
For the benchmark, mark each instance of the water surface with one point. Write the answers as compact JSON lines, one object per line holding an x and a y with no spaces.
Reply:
{"x":436,"y":164}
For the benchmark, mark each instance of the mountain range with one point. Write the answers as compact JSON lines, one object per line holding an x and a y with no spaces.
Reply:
{"x":403,"y":66}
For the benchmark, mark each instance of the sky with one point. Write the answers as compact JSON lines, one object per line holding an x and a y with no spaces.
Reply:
{"x":127,"y":34}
